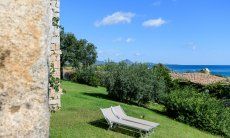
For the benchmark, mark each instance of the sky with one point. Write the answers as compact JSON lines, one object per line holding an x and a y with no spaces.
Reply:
{"x":187,"y":32}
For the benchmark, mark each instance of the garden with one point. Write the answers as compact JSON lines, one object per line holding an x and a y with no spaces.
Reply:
{"x":144,"y":91}
{"x":80,"y":116}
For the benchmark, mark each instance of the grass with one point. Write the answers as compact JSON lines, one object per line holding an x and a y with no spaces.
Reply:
{"x":80,"y":117}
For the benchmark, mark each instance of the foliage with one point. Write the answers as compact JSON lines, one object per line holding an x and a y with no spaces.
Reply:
{"x":54,"y":81}
{"x":69,"y":75}
{"x":136,"y":83}
{"x":87,"y":53}
{"x":220,"y":91}
{"x":182,"y":83}
{"x":55,"y":21}
{"x":163,"y":83}
{"x":127,"y":83}
{"x":76,"y":53}
{"x":68,"y":41}
{"x":86,"y":76}
{"x":199,"y":110}
{"x":102,"y":75}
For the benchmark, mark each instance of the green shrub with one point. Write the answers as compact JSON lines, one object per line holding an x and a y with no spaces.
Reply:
{"x":68,"y":75}
{"x":163,"y":82}
{"x":86,"y":76}
{"x":102,"y":74}
{"x":219,"y":90}
{"x":181,"y":84}
{"x":129,"y":83}
{"x":199,"y":110}
{"x":135,"y":83}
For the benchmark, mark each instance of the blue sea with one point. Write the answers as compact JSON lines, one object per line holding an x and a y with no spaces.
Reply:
{"x":223,"y":70}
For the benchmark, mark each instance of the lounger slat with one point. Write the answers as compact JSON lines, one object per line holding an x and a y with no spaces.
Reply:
{"x":119,"y":112}
{"x":141,"y":121}
{"x":112,"y":119}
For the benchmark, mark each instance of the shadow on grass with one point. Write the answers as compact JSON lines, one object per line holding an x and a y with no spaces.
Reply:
{"x":158,"y":111}
{"x":98,"y":95}
{"x":123,"y":130}
{"x":104,"y":96}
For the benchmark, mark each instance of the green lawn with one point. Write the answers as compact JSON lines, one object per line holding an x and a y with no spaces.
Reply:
{"x":80,"y":117}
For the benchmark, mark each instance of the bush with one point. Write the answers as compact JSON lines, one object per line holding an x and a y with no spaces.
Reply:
{"x":135,"y":83}
{"x":163,"y":82}
{"x":86,"y":76}
{"x":102,"y":75}
{"x":199,"y":110}
{"x":68,"y":75}
{"x":126,"y":83}
{"x":220,"y":91}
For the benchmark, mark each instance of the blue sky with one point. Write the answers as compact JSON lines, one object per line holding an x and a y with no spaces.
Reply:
{"x":159,"y":31}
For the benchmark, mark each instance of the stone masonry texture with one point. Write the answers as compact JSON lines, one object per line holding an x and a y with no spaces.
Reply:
{"x":24,"y":66}
{"x":55,"y":97}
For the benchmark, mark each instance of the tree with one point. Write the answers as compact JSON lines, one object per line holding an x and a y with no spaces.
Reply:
{"x":68,"y":41}
{"x":85,"y":54}
{"x":76,"y":53}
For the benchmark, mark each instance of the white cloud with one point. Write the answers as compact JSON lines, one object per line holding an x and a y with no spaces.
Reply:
{"x":154,"y":22}
{"x":126,"y":40}
{"x":129,"y":40}
{"x":137,"y":54}
{"x":115,"y":18}
{"x":156,"y":3}
{"x":192,"y":45}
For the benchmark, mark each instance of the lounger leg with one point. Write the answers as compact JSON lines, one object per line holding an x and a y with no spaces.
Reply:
{"x":115,"y":125}
{"x":150,"y":132}
{"x":145,"y":134}
{"x":110,"y":126}
{"x":141,"y":134}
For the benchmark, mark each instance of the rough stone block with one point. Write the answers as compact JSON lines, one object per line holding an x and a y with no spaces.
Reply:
{"x":25,"y":41}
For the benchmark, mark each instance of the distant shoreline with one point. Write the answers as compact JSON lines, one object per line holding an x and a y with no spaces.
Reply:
{"x":218,"y":70}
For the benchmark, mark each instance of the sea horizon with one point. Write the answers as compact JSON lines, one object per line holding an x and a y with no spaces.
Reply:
{"x":220,"y":70}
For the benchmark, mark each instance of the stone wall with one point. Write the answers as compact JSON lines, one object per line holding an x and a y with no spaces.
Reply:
{"x":24,"y":52}
{"x":55,"y":96}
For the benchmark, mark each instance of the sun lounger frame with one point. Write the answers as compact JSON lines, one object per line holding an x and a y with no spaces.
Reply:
{"x":113,"y":124}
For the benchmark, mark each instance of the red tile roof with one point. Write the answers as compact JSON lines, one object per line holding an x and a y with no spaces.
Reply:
{"x":199,"y":78}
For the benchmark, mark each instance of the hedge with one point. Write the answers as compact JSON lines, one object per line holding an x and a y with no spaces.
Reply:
{"x":199,"y":110}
